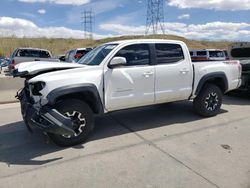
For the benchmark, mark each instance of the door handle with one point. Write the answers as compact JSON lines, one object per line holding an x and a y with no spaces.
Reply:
{"x":148,"y":73}
{"x":184,"y":71}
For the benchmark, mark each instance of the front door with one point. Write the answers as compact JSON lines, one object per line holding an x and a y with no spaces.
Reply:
{"x":131,"y":85}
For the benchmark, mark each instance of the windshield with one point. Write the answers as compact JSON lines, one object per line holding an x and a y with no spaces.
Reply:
{"x":241,"y":53}
{"x":97,"y":55}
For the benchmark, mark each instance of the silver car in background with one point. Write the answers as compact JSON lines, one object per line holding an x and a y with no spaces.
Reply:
{"x":21,"y":55}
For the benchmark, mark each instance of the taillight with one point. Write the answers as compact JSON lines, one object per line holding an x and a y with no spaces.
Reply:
{"x":232,"y":62}
{"x":13,"y":63}
{"x":240,"y":68}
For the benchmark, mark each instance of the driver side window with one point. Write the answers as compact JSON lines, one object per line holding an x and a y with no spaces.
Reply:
{"x":136,"y":54}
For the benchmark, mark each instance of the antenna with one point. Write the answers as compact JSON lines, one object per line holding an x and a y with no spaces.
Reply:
{"x":155,"y":16}
{"x":87,"y":21}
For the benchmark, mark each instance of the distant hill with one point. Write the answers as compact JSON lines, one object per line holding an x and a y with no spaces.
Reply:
{"x":61,"y":46}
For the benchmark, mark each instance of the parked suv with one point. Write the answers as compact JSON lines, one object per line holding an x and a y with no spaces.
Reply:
{"x":62,"y":99}
{"x":241,"y":51}
{"x":74,"y":55}
{"x":21,"y":55}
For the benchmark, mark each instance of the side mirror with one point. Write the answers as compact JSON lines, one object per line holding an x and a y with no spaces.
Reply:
{"x":117,"y":61}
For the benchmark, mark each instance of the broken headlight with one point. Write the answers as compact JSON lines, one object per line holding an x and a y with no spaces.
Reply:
{"x":35,"y":88}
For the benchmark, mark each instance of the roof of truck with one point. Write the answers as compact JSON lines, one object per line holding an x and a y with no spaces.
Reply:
{"x":145,"y":41}
{"x":29,"y":48}
{"x":240,"y":45}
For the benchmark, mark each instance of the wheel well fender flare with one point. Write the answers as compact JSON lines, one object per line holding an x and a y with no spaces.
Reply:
{"x":80,"y":89}
{"x":217,"y":78}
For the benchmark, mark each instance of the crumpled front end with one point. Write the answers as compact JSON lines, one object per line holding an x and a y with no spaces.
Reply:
{"x":45,"y":117}
{"x":32,"y":69}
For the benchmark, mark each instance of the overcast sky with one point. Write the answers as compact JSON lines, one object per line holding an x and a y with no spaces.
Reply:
{"x":194,"y":19}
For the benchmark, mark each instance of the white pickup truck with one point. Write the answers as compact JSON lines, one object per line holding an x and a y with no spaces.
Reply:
{"x":62,"y":99}
{"x":21,"y":55}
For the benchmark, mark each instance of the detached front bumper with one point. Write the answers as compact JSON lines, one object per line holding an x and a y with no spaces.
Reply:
{"x":44,"y":118}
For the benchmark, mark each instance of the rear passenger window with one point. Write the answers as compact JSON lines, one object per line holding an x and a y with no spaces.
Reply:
{"x":33,"y":53}
{"x":201,"y":53}
{"x":168,"y":53}
{"x":23,"y":53}
{"x":44,"y":54}
{"x":216,"y":54}
{"x":137,"y":54}
{"x":39,"y":53}
{"x":241,"y":52}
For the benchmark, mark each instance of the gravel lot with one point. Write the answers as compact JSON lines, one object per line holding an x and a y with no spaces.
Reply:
{"x":160,"y":146}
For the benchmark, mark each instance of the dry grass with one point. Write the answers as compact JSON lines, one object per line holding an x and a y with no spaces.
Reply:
{"x":60,"y":46}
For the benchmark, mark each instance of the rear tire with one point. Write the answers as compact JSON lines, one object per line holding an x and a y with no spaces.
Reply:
{"x":209,"y":100}
{"x":82,"y":113}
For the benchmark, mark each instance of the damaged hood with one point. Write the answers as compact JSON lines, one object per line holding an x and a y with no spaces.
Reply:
{"x":34,"y":68}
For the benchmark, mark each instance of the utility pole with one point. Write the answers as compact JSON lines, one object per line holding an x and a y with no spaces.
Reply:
{"x":87,"y":22}
{"x":155,"y":17}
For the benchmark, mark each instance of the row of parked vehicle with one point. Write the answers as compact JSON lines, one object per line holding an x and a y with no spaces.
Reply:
{"x":237,"y":51}
{"x":209,"y":55}
{"x":4,"y":62}
{"x":21,"y":55}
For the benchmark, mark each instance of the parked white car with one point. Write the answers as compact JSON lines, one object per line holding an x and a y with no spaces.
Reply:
{"x":115,"y":76}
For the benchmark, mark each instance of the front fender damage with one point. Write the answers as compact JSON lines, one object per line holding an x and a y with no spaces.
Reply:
{"x":45,"y":118}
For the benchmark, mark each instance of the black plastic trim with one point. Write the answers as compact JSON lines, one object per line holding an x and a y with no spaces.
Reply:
{"x":19,"y":74}
{"x":152,"y":54}
{"x":77,"y":88}
{"x":210,"y":76}
{"x":193,"y":80}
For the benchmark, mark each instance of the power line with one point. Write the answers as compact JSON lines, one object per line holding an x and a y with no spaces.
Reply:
{"x":155,"y":16}
{"x":87,"y":21}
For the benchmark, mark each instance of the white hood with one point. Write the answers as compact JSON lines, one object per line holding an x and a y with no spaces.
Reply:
{"x":41,"y":66}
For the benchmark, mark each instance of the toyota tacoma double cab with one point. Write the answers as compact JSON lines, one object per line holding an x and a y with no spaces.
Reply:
{"x":63,"y":99}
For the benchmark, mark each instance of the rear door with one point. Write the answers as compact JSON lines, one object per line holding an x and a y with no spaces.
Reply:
{"x":173,"y":72}
{"x":131,"y":85}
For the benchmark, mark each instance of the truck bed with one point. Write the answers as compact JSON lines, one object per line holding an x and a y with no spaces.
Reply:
{"x":202,"y":68}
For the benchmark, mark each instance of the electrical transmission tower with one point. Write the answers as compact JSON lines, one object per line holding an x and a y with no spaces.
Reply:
{"x":87,"y":21}
{"x":155,"y":16}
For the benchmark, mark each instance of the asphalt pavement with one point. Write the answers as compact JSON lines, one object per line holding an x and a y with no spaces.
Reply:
{"x":158,"y":146}
{"x":9,"y":87}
